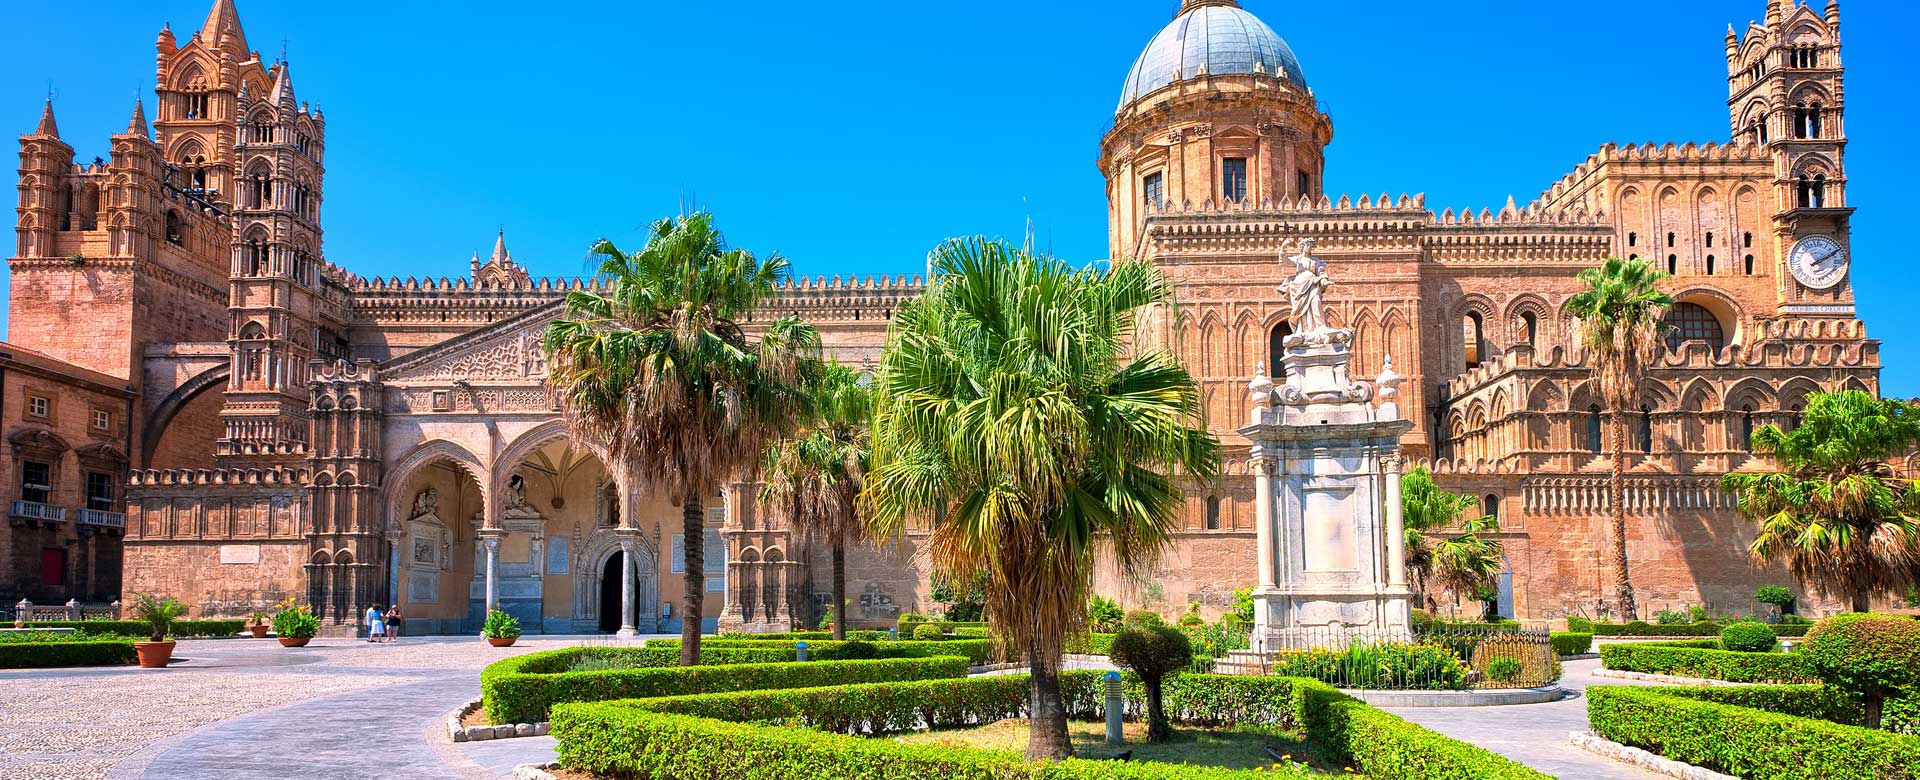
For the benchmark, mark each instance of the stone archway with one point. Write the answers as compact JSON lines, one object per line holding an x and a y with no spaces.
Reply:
{"x":591,"y":580}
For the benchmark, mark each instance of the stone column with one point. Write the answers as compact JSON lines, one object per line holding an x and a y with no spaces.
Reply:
{"x":1396,"y":524}
{"x":629,"y":545}
{"x":490,"y":538}
{"x":1263,"y":517}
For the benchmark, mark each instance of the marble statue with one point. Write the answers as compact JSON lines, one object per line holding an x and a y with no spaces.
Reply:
{"x":1306,"y":289}
{"x":517,"y":493}
{"x":426,"y":503}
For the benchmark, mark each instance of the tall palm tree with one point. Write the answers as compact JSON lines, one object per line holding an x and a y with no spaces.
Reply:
{"x":1011,"y":404}
{"x":1621,"y":313}
{"x":818,"y":472}
{"x":657,"y":374}
{"x":1460,"y":562}
{"x":1845,"y":522}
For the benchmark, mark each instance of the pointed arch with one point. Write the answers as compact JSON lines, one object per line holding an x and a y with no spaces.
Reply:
{"x":1700,"y":396}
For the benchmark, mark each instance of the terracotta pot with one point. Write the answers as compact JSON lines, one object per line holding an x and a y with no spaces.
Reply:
{"x":259,"y":630}
{"x":295,"y":641}
{"x":154,"y":655}
{"x":501,"y":641}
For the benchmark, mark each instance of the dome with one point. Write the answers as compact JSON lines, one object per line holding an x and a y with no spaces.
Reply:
{"x":1217,"y":35}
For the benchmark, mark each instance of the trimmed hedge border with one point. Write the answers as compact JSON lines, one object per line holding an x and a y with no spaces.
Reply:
{"x":863,"y":635}
{"x":1571,"y":642}
{"x":523,"y":689}
{"x":684,"y":736}
{"x":1783,"y":630}
{"x":1771,"y":732}
{"x":50,"y":654}
{"x":976,"y":651}
{"x":141,"y":630}
{"x":1688,"y":659}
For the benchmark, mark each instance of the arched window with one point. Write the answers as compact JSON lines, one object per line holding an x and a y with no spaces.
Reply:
{"x":1673,"y":265}
{"x":1813,"y":121}
{"x":1530,"y":329}
{"x":1213,"y":512}
{"x":1746,"y":427}
{"x":176,"y":229}
{"x":1646,"y":429}
{"x":1277,"y":350}
{"x":1670,"y":238}
{"x":1593,"y":428}
{"x":1800,"y":124}
{"x":1749,"y":263}
{"x":1490,"y":506}
{"x":1709,"y":265}
{"x":1633,"y":257}
{"x":1819,"y":191}
{"x":1633,"y":239}
{"x":1693,"y":322}
{"x":1746,"y":240}
{"x":1473,"y":335}
{"x":1709,"y":239}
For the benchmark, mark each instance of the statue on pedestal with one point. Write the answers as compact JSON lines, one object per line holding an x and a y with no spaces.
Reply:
{"x":1306,"y":289}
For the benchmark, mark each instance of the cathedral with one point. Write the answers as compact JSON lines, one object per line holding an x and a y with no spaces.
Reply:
{"x":197,"y":403}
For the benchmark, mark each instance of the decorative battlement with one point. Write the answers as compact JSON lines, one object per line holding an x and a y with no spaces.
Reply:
{"x":1840,"y":344}
{"x":273,"y":475}
{"x":342,"y":371}
{"x":1667,"y":153}
{"x":1304,"y":205}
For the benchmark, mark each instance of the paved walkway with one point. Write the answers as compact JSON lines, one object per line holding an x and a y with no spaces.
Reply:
{"x":1535,"y":734}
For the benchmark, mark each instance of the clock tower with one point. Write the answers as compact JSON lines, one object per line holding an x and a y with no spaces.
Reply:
{"x":1785,"y":92}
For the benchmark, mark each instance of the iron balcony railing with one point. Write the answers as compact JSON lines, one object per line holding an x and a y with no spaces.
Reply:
{"x":102,"y":518}
{"x":34,"y":510}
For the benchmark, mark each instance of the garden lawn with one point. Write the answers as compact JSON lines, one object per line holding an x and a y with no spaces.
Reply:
{"x":1243,"y":748}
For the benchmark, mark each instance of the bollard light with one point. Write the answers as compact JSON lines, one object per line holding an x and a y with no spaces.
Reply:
{"x":1116,"y":710}
{"x":893,"y":634}
{"x":800,"y":651}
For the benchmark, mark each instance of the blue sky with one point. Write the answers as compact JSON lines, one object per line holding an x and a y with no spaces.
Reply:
{"x":852,"y":136}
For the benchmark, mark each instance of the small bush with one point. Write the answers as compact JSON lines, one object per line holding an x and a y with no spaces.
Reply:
{"x":51,"y":652}
{"x":927,"y":632}
{"x":500,"y":625}
{"x":1504,"y":669}
{"x":1578,"y":624}
{"x":1777,"y":595}
{"x":295,"y":621}
{"x":1871,"y":657}
{"x":1571,"y":642}
{"x":1153,"y":652}
{"x":1748,"y":636}
{"x":1422,"y":620}
{"x":1143,"y":617}
{"x":1672,"y":617}
{"x":1698,"y":615}
{"x":1104,"y":615}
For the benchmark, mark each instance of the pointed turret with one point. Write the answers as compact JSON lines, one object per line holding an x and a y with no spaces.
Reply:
{"x":165,"y":42}
{"x":222,"y":27}
{"x":282,"y":92}
{"x":500,"y":249}
{"x":47,"y":126}
{"x":1733,"y":42}
{"x":137,"y":124}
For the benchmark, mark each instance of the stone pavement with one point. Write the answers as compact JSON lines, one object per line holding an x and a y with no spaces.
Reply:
{"x":1535,"y":734}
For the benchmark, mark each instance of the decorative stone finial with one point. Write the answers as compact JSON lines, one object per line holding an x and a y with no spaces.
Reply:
{"x":1386,"y":387}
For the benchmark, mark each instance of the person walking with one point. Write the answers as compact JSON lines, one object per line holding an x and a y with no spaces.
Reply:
{"x":394,"y":623}
{"x":376,"y":624}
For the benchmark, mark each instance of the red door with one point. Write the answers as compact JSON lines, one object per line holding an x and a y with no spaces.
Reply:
{"x":53,"y":566}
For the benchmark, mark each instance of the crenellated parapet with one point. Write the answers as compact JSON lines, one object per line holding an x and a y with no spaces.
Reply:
{"x":185,"y":478}
{"x":820,"y":299}
{"x":1673,"y":159}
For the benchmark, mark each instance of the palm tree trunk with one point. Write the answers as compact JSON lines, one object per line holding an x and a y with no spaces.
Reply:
{"x":839,"y":589}
{"x":1617,"y":502}
{"x":1047,"y":738}
{"x":1862,"y":600}
{"x":693,"y":563}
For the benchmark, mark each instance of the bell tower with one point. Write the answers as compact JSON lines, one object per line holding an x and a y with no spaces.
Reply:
{"x":1785,"y":87}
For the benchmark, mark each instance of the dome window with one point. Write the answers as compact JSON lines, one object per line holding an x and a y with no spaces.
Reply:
{"x":1233,"y":179}
{"x":1153,"y":190}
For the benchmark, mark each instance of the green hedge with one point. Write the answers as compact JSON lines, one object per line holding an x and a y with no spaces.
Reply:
{"x":974,"y":650}
{"x":675,"y":737}
{"x":1711,"y":664}
{"x":140,"y":628}
{"x":1698,"y":727}
{"x":1686,"y":629}
{"x":810,"y":636}
{"x":1571,"y":642}
{"x":85,"y":652}
{"x":523,"y":689}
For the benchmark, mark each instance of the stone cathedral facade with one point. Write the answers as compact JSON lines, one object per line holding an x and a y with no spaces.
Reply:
{"x":294,"y":428}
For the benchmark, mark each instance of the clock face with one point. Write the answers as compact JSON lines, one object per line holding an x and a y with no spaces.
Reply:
{"x":1818,"y":262}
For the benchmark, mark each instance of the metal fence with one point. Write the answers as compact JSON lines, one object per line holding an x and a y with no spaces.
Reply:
{"x":1450,"y":657}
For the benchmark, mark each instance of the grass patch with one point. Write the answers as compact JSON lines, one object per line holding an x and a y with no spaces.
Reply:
{"x":1241,"y":748}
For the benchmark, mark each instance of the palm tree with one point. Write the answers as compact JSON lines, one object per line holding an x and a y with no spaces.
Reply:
{"x":1461,"y":562}
{"x":818,"y":473}
{"x":1620,"y":313}
{"x":1010,"y":403}
{"x":657,"y":376}
{"x":1845,"y":522}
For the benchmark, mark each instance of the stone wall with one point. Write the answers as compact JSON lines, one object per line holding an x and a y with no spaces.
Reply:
{"x":228,"y":580}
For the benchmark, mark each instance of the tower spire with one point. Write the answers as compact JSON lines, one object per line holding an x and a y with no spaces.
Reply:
{"x":500,"y":247}
{"x":223,"y":20}
{"x":137,"y":124}
{"x":47,"y":126}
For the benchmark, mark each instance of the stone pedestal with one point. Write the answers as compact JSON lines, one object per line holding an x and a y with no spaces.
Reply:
{"x":1326,"y":465}
{"x":513,"y":581}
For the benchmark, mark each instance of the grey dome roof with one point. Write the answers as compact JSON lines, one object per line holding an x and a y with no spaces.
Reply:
{"x":1217,"y":35}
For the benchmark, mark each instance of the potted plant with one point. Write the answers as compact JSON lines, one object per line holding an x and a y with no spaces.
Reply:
{"x":159,"y":615}
{"x":501,"y":629}
{"x":259,"y":623}
{"x":295,"y":625}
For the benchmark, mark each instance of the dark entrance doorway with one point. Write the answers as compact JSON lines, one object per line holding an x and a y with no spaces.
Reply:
{"x":610,"y":593}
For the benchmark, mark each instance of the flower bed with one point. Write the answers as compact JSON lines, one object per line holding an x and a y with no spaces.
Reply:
{"x":1756,"y":733}
{"x":140,"y":628}
{"x":1705,"y":660}
{"x":42,"y":651}
{"x":974,"y":650}
{"x":524,"y":688}
{"x":709,"y":736}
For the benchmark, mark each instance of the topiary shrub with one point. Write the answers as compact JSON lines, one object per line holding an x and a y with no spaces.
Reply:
{"x":926,"y":632}
{"x":1143,"y":617}
{"x":1870,"y":657}
{"x":1748,"y":636}
{"x":1778,"y":595}
{"x":1153,"y":652}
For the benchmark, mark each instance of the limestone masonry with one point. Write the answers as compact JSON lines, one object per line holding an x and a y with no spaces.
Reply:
{"x":196,"y":403}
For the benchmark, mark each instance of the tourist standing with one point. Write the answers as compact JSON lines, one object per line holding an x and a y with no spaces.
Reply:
{"x":376,"y":625}
{"x":394,"y":622}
